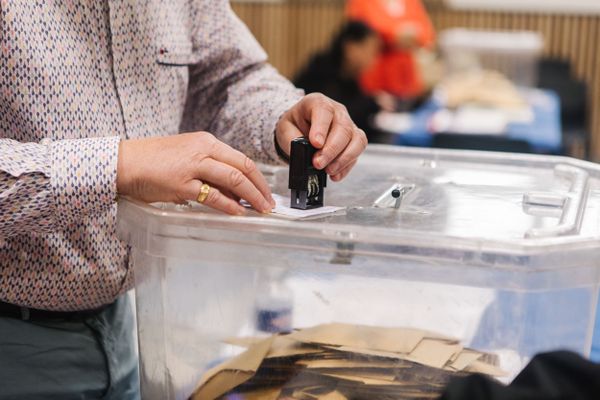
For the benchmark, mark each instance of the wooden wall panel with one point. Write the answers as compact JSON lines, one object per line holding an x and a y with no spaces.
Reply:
{"x":292,"y":30}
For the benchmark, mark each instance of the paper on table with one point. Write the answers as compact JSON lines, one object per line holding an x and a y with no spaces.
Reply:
{"x":283,"y":210}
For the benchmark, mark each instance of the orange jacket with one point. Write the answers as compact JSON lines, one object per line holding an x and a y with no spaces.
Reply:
{"x":396,"y":71}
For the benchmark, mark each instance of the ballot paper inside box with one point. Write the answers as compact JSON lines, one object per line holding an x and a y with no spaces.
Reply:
{"x":496,"y":252}
{"x":344,"y":361}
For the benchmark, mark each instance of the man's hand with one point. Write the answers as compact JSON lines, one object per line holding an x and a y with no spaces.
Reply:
{"x":173,"y":168}
{"x":329,"y":128}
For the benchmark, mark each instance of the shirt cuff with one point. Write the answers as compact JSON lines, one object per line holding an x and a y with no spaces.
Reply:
{"x":83,"y":176}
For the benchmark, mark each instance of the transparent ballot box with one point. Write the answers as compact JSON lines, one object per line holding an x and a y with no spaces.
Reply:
{"x":483,"y":261}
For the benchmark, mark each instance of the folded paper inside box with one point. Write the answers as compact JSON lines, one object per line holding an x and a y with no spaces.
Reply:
{"x":342,"y":361}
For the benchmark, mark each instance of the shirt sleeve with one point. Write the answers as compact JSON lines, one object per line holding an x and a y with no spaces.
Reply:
{"x":48,"y":185}
{"x":233,"y":92}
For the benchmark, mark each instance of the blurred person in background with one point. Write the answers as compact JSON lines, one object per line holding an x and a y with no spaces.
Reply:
{"x":336,"y":71}
{"x":405,"y":28}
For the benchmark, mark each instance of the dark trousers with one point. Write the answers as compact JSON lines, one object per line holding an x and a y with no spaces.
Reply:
{"x":91,"y":358}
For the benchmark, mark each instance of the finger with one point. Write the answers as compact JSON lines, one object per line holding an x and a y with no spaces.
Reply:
{"x":228,"y":193}
{"x":215,"y":199}
{"x":288,"y":132}
{"x":343,"y":173}
{"x":236,"y":159}
{"x":234,"y":181}
{"x":350,"y":154}
{"x":321,"y":111}
{"x":339,"y":138}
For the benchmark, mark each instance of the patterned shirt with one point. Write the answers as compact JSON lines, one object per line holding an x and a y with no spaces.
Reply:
{"x":76,"y":77}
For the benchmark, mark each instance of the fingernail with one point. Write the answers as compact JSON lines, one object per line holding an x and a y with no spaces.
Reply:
{"x":266,"y":208}
{"x":241,"y":212}
{"x":272,"y":201}
{"x":320,"y":139}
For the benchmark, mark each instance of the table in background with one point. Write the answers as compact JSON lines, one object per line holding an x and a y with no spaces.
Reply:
{"x":543,"y":134}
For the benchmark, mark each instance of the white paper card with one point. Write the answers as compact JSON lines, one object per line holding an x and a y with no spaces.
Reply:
{"x":283,"y":210}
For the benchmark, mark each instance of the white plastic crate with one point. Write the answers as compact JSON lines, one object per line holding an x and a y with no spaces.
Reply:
{"x":513,"y":53}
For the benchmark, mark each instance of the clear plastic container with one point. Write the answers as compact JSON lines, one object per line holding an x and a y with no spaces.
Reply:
{"x":498,"y":250}
{"x":513,"y":53}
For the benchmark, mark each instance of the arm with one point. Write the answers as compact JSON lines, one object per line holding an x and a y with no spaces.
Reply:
{"x":238,"y":97}
{"x":233,"y":92}
{"x":46,"y":186}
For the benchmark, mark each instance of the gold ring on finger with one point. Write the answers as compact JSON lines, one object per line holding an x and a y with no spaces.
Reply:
{"x":204,"y":191}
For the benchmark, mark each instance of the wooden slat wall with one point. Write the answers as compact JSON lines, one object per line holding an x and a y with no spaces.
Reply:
{"x":292,"y":30}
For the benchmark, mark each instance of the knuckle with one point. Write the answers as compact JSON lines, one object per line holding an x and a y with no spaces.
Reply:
{"x":342,"y":109}
{"x":323,"y":101}
{"x":206,"y":135}
{"x":199,"y":157}
{"x":347,"y":131}
{"x":249,"y":166}
{"x":213,"y":146}
{"x":213,"y":196}
{"x":207,"y":142}
{"x":236,"y":178}
{"x":203,"y":137}
{"x":333,"y":150}
{"x":362,"y":137}
{"x":317,"y":96}
{"x":343,"y":117}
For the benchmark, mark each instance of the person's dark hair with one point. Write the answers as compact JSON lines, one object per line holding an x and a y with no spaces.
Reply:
{"x":352,"y":31}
